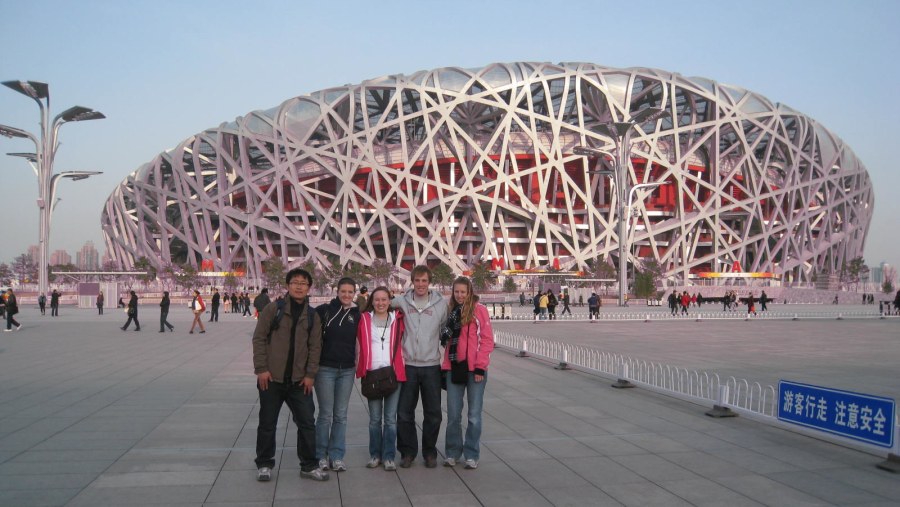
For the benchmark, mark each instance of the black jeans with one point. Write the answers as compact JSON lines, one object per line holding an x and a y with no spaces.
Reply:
{"x":164,"y":320}
{"x":137,"y":325}
{"x":303,"y":411}
{"x":11,"y":321}
{"x":424,"y":380}
{"x":214,"y":313}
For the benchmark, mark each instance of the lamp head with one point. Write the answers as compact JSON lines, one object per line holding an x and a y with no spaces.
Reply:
{"x":79,"y":113}
{"x":11,"y":132}
{"x":33,"y":89}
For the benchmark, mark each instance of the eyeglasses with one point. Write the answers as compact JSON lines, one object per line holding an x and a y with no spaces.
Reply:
{"x":299,"y":284}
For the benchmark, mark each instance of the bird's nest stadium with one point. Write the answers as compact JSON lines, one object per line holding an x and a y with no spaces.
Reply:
{"x":461,"y":166}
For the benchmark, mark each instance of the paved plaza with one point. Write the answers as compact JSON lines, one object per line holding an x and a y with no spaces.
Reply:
{"x":91,"y":415}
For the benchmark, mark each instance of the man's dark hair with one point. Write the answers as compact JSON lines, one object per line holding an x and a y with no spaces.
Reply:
{"x":266,"y":291}
{"x":421,"y":269}
{"x":294,"y":273}
{"x":348,"y":281}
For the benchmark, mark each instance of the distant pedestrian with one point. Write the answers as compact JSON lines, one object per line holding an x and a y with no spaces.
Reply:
{"x":246,"y":304}
{"x":261,"y":301}
{"x":214,"y":310}
{"x":54,"y":303}
{"x":100,"y":300}
{"x":164,"y":314}
{"x":763,"y":299}
{"x":551,"y":305}
{"x":362,"y":299}
{"x":594,"y":306}
{"x":12,"y":308}
{"x":198,"y":307}
{"x":522,"y":299}
{"x":42,"y":303}
{"x":132,"y":311}
{"x":234,"y":303}
{"x":673,"y":302}
{"x":751,"y":304}
{"x":685,"y":302}
{"x":565,"y":302}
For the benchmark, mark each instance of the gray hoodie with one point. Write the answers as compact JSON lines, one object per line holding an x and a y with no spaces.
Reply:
{"x":422,"y":338}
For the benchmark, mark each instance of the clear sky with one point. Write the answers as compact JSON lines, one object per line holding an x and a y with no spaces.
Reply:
{"x":164,"y":70}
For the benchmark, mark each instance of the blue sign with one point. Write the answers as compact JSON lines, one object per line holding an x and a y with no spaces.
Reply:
{"x":858,"y":416}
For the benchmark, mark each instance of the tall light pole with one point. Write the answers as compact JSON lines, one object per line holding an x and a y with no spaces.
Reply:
{"x":45,"y":146}
{"x":620,"y":133}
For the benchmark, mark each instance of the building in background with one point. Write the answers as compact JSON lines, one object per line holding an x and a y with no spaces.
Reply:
{"x":60,"y":258}
{"x":34,"y":251}
{"x":461,"y":166}
{"x":87,"y":258}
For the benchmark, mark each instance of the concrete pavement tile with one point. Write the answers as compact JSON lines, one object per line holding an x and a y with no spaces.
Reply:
{"x":418,"y":480}
{"x":753,"y":461}
{"x":799,"y":457}
{"x":81,"y":442}
{"x":703,"y":492}
{"x":54,"y":467}
{"x":824,"y":487}
{"x":697,"y":440}
{"x":37,"y":498}
{"x":192,"y":439}
{"x":290,"y":486}
{"x":241,"y":458}
{"x":492,"y":477}
{"x":459,"y":499}
{"x":611,"y":445}
{"x":578,"y":497}
{"x":508,"y":450}
{"x":654,"y":468}
{"x":45,"y":481}
{"x":643,"y":494}
{"x":870,"y":479}
{"x":547,"y":473}
{"x":242,"y":486}
{"x":602,"y":471}
{"x":169,"y":460}
{"x":159,"y":479}
{"x":143,"y":495}
{"x":248,"y":504}
{"x":652,"y":442}
{"x":767,"y":491}
{"x":33,"y":456}
{"x":566,"y":448}
{"x":704,"y":464}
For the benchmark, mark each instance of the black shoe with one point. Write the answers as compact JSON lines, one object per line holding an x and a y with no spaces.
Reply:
{"x":201,"y":332}
{"x":124,"y":328}
{"x":406,"y":461}
{"x":172,"y":329}
{"x":137,"y":329}
{"x":161,"y":331}
{"x":190,"y":332}
{"x":430,"y":461}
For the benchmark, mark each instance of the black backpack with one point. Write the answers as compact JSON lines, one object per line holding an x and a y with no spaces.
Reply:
{"x":279,"y":313}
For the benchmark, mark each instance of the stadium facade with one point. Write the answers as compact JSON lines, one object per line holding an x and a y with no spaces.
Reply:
{"x":461,"y":166}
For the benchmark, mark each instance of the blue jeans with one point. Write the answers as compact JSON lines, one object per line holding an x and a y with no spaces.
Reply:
{"x":302,"y":409}
{"x":333,"y":388}
{"x":383,"y":436}
{"x":424,"y":380}
{"x":453,"y":444}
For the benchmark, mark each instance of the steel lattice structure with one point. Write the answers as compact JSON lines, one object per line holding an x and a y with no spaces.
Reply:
{"x":464,"y":165}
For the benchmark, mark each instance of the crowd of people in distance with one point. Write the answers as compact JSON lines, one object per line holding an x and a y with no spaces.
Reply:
{"x":679,"y":303}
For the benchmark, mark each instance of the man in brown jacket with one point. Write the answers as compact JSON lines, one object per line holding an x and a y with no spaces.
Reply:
{"x":286,"y":350}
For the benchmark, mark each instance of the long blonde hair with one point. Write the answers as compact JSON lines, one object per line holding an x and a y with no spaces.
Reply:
{"x":467,"y":313}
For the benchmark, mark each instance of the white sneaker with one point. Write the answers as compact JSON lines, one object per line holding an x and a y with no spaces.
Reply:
{"x":316,"y":474}
{"x":373,"y":463}
{"x":7,"y":330}
{"x":264,"y":474}
{"x":19,"y":327}
{"x":338,"y":465}
{"x":471,"y":464}
{"x":449,"y":462}
{"x":390,"y":466}
{"x":323,"y":463}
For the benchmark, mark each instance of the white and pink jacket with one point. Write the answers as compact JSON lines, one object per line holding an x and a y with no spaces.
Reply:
{"x":476,"y":342}
{"x":364,"y":340}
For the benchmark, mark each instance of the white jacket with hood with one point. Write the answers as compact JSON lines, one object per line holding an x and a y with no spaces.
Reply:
{"x":422,"y":339}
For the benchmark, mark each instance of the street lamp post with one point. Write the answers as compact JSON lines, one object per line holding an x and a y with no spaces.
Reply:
{"x":620,"y":133}
{"x":45,"y":146}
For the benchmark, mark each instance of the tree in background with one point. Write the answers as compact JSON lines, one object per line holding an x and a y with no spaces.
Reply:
{"x":273,"y":274}
{"x":483,"y":277}
{"x":230,"y":281}
{"x":890,"y":274}
{"x":360,"y":273}
{"x":6,"y":274}
{"x":647,"y":278}
{"x":143,"y":264}
{"x":382,"y":272}
{"x":185,"y":276}
{"x":603,"y":270}
{"x":442,"y":276}
{"x":54,"y":277}
{"x":509,"y":285}
{"x":25,"y":268}
{"x":852,"y":272}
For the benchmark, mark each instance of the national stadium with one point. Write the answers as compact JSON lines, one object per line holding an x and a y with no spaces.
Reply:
{"x":462,"y":166}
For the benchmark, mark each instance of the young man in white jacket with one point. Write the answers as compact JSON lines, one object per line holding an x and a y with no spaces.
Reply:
{"x":425,"y":313}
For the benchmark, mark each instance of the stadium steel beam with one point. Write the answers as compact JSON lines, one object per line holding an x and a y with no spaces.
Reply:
{"x":45,"y":151}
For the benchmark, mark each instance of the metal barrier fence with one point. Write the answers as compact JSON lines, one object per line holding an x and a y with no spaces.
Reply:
{"x":699,"y":316}
{"x":693,"y":385}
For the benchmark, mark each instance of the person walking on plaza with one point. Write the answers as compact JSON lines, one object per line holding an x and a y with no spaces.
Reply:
{"x":234,"y":302}
{"x":763,"y":299}
{"x":214,"y":309}
{"x":673,"y":302}
{"x":897,"y":303}
{"x":362,"y":300}
{"x":12,"y":308}
{"x":334,"y":380}
{"x":226,"y":302}
{"x":593,"y":306}
{"x":100,"y":300}
{"x":751,"y":304}
{"x":522,"y":299}
{"x":246,"y":304}
{"x":287,"y":344}
{"x":42,"y":303}
{"x":425,"y":312}
{"x":164,"y":314}
{"x":132,"y":311}
{"x":685,"y":302}
{"x":466,"y":359}
{"x":380,"y":330}
{"x":54,"y":303}
{"x":261,"y":301}
{"x":198,"y":307}
{"x":551,"y":305}
{"x":536,"y":301}
{"x":544,"y":304}
{"x":565,"y":301}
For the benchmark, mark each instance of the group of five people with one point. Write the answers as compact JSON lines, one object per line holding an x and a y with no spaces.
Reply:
{"x":299,"y":350}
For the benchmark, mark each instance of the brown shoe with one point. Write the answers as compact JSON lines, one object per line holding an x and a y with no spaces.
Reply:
{"x":430,"y":462}
{"x":406,"y":462}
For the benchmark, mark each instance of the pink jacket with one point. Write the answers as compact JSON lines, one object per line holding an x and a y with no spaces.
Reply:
{"x":364,"y":340}
{"x":476,"y":342}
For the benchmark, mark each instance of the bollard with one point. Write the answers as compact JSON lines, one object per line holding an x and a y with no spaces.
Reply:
{"x":622,"y":382}
{"x":721,"y":409}
{"x":892,"y":463}
{"x":564,"y":361}
{"x":524,"y":351}
{"x":699,"y":317}
{"x":840,"y":316}
{"x":648,"y":318}
{"x":796,"y":317}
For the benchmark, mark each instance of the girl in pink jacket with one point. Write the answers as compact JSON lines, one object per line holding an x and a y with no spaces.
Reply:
{"x":466,"y":359}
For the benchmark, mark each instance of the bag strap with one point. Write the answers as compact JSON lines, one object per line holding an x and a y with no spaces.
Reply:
{"x":397,"y":344}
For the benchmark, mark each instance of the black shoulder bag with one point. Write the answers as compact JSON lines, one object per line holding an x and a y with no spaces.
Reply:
{"x":381,"y":382}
